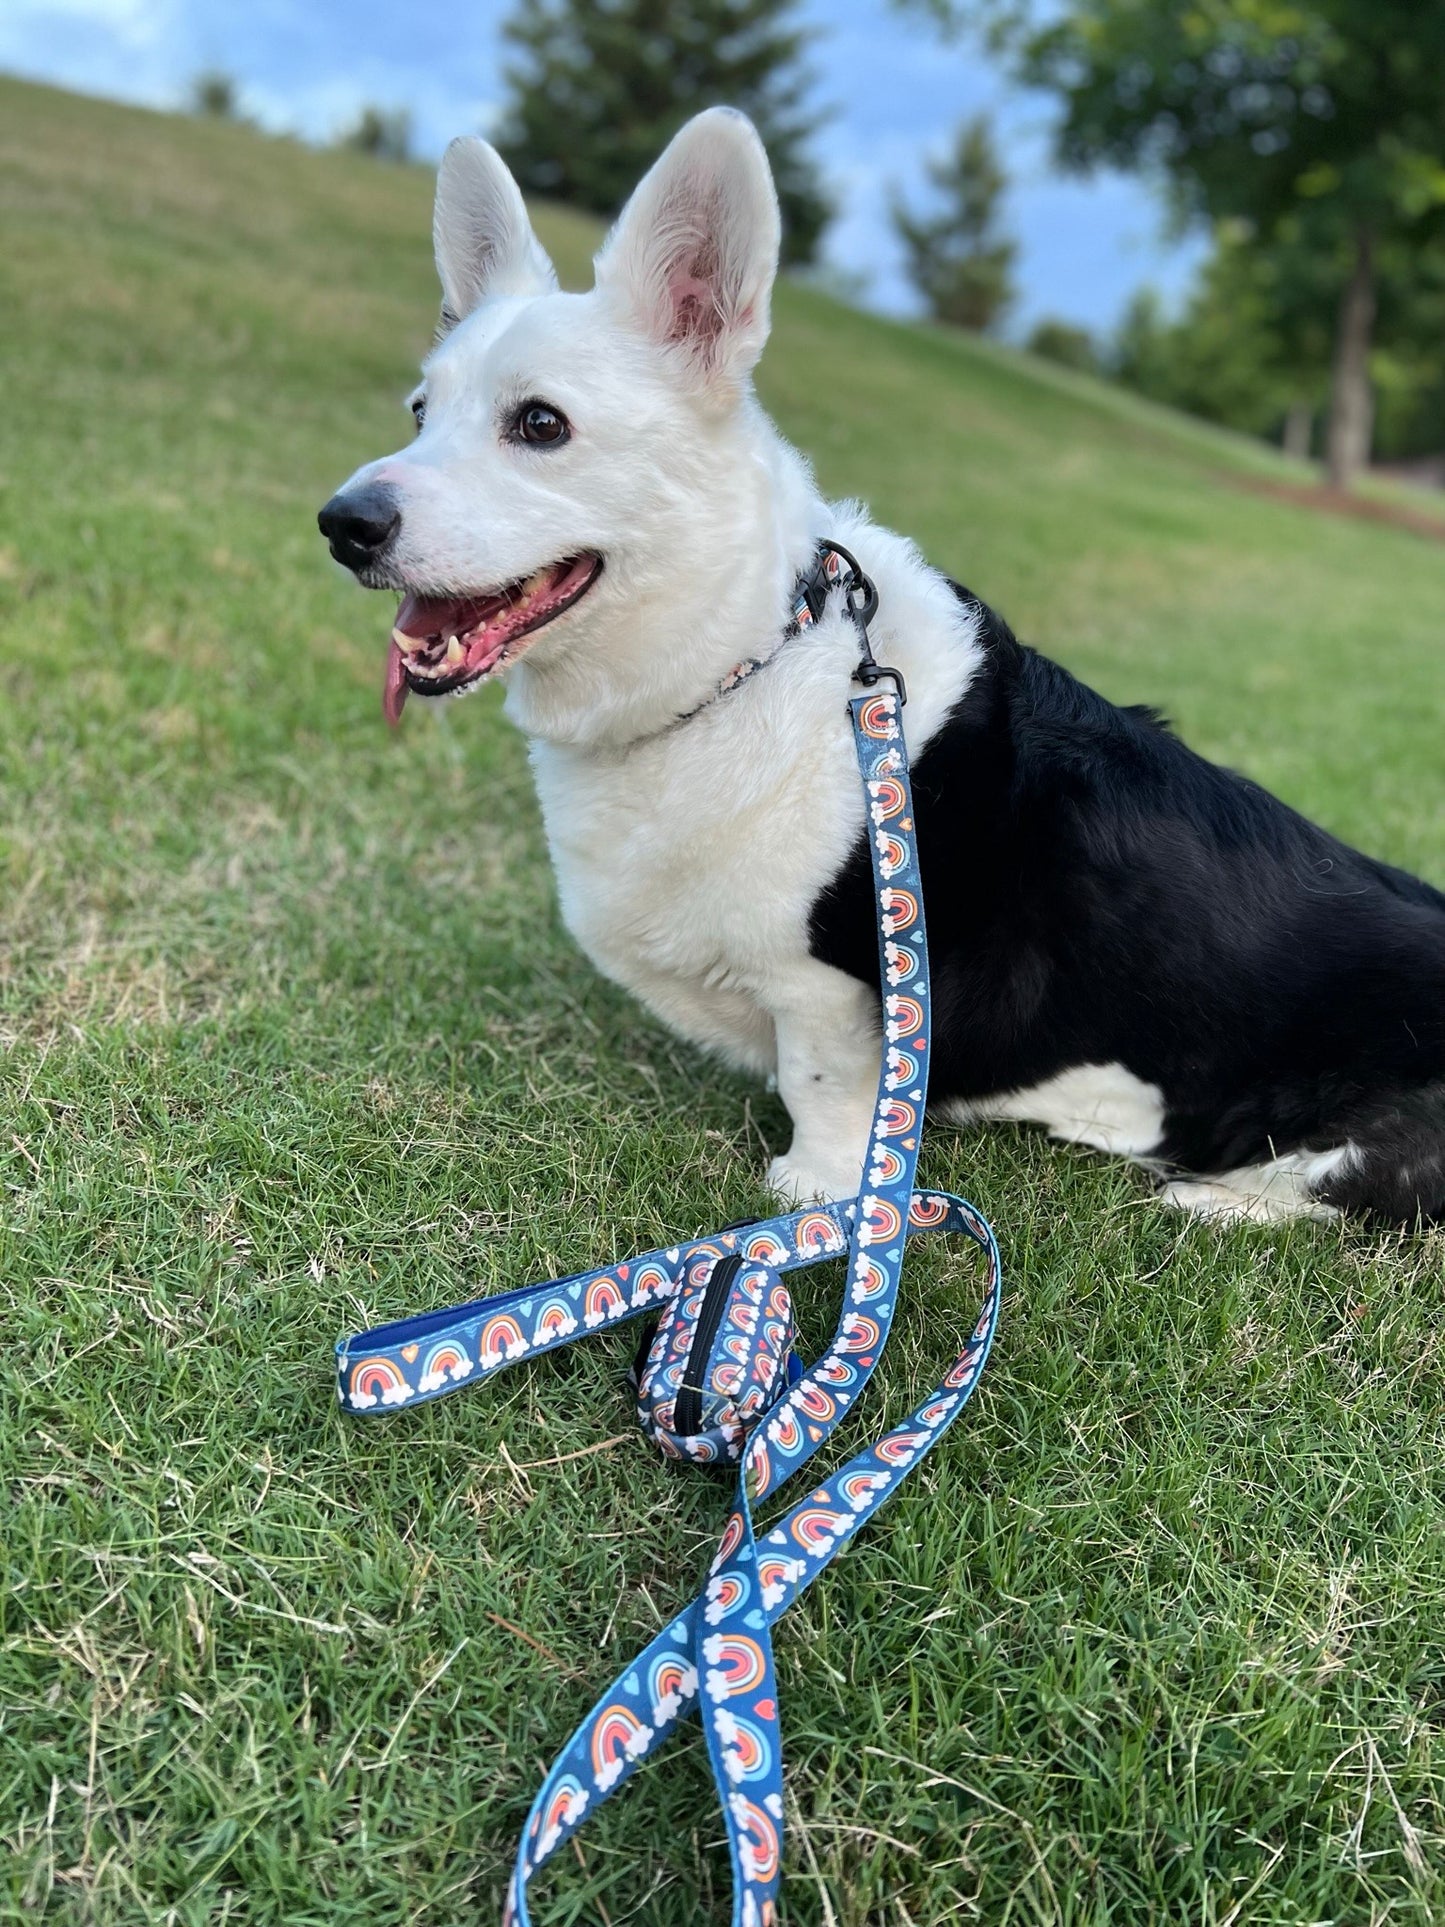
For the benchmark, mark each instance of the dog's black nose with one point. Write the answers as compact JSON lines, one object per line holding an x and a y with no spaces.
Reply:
{"x":359,"y":524}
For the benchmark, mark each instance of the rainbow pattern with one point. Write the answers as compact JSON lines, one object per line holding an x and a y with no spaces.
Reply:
{"x":875,"y":717}
{"x":858,"y":1488}
{"x":862,"y":1333}
{"x":900,"y":962}
{"x":816,"y":1527}
{"x":882,"y":1221}
{"x":886,"y":1167}
{"x":905,"y":1016}
{"x":813,"y":1400}
{"x":445,"y":1360}
{"x":618,"y":1736}
{"x":555,"y":1321}
{"x":816,"y":1233}
{"x":378,"y":1380}
{"x":724,"y":1595}
{"x":767,"y":1249}
{"x":785,"y":1431}
{"x":891,"y":854}
{"x":566,"y":1806}
{"x":900,"y":909}
{"x":670,"y":1681}
{"x":889,"y":797}
{"x":735,"y":1663}
{"x":731,"y":1539}
{"x":927,"y":1210}
{"x":902,"y":1068}
{"x":501,"y":1337}
{"x":747,"y":1749}
{"x":894,"y":1118}
{"x":604,"y":1301}
{"x":650,"y":1281}
{"x":868,"y":1278}
{"x":759,"y":1849}
{"x":708,"y":1652}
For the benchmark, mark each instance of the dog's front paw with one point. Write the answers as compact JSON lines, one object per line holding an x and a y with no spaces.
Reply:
{"x":798,"y":1184}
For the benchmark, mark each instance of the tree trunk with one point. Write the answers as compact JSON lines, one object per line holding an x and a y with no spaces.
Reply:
{"x":1299,"y":430}
{"x":1352,"y":404}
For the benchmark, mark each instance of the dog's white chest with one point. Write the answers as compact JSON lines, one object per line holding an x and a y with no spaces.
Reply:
{"x":699,"y":856}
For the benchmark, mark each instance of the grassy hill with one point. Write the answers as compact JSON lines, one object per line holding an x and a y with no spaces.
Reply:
{"x":293,"y":1041}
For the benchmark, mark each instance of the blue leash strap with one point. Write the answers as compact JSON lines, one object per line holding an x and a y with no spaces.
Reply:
{"x":716,"y":1656}
{"x":659,"y":1689}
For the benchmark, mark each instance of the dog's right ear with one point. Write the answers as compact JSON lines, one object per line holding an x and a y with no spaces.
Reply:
{"x":483,"y":238}
{"x":694,"y":253}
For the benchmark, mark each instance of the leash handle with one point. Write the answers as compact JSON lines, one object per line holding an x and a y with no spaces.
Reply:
{"x":659,"y":1689}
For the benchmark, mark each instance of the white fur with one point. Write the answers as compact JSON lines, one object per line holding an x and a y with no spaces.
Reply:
{"x":1284,"y":1187}
{"x":1103,"y":1105}
{"x":688,"y":857}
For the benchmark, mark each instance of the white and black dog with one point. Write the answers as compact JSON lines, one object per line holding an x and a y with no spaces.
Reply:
{"x":1139,"y":950}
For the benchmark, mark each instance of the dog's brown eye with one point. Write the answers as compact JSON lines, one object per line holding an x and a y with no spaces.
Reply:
{"x":418,"y":412}
{"x":538,"y":423}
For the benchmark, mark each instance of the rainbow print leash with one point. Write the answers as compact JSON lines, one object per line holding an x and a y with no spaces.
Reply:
{"x":716,"y":1656}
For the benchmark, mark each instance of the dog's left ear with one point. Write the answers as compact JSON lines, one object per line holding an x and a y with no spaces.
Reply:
{"x":695,"y":251}
{"x":482,"y":235}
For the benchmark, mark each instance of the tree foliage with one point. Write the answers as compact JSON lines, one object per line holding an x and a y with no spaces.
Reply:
{"x":1322,"y":116}
{"x":1064,"y":342}
{"x":1252,"y":346}
{"x":215,"y":96}
{"x":601,"y":86}
{"x":958,"y":258}
{"x":382,"y":132}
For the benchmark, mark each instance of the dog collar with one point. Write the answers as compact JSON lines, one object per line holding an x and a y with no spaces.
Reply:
{"x":832,"y":568}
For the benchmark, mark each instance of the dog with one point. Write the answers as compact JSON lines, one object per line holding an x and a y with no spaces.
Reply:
{"x":1138,"y":950}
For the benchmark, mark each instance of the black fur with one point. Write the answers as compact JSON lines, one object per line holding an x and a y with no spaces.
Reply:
{"x":1097,"y":893}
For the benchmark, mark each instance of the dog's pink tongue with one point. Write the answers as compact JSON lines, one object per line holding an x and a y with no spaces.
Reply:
{"x":436,"y":615}
{"x":422,"y":617}
{"x":393,"y":692}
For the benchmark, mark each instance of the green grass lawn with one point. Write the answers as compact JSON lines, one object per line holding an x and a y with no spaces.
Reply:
{"x":293,"y":1041}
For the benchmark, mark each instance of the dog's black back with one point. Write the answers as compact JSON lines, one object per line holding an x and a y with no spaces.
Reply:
{"x":1097,"y":893}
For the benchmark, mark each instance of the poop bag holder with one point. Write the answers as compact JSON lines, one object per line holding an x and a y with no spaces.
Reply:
{"x":718,"y":1358}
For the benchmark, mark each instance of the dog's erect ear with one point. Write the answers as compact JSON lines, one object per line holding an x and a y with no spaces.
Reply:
{"x":694,"y":253}
{"x":484,"y":241}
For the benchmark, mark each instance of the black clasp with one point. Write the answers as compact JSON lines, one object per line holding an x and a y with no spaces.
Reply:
{"x":861,"y":599}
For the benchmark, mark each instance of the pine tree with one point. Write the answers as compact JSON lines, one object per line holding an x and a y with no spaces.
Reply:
{"x":603,"y":85}
{"x":957,"y":259}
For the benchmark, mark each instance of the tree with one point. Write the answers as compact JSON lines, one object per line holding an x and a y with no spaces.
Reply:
{"x":1065,"y":343}
{"x":1327,"y":113}
{"x":957,"y":259}
{"x":1252,"y":347}
{"x":1249,"y":349}
{"x":214,"y":96}
{"x":382,"y":132}
{"x":603,"y":85}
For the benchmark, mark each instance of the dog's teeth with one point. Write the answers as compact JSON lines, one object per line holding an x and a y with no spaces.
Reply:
{"x":455,"y":652}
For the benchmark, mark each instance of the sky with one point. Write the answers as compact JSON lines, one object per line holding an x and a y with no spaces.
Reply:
{"x":889,"y":90}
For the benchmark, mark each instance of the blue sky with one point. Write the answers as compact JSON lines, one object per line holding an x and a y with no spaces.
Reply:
{"x":891,"y":90}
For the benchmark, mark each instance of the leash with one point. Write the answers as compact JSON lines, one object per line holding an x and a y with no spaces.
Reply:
{"x":719,"y":1379}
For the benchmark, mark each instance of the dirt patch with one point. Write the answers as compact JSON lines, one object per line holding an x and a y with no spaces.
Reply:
{"x":1335,"y":501}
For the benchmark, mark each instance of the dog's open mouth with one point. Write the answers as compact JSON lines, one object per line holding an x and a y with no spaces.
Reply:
{"x":442,"y":645}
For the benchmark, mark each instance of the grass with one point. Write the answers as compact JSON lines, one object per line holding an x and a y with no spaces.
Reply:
{"x":293,"y":1041}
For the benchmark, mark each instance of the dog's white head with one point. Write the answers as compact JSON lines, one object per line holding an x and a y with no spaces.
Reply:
{"x":582,"y":462}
